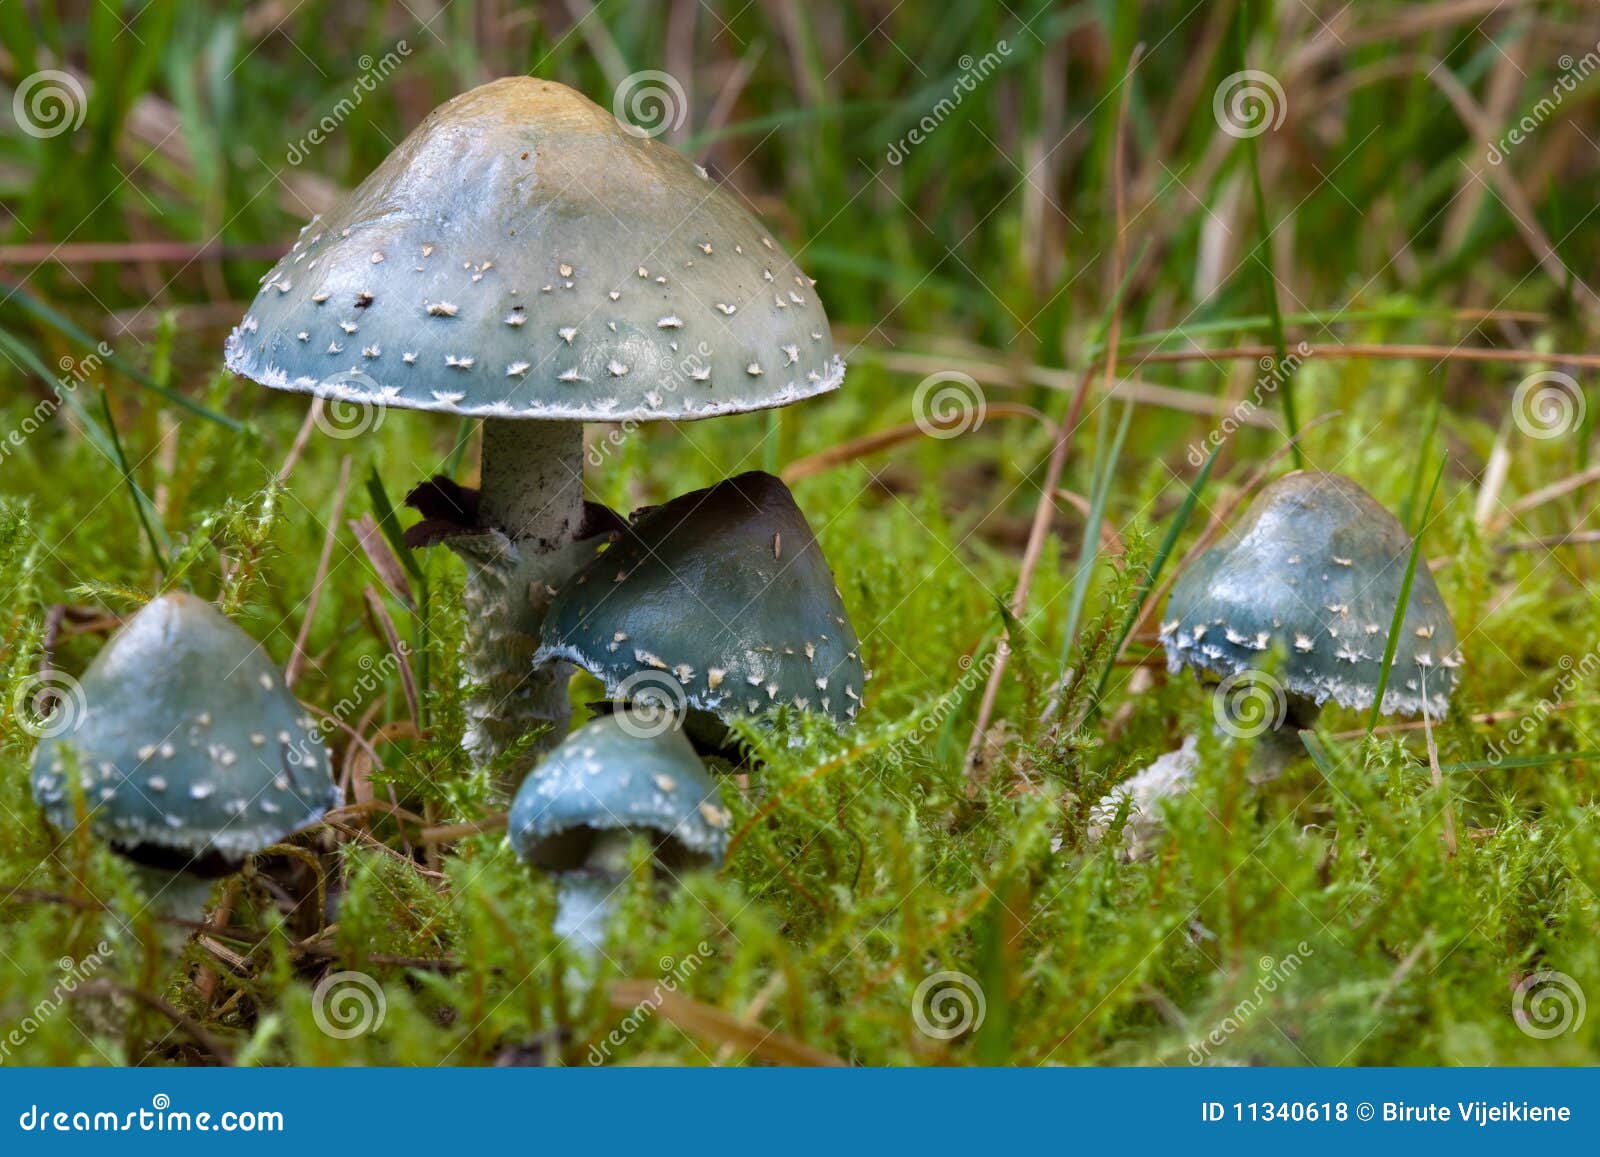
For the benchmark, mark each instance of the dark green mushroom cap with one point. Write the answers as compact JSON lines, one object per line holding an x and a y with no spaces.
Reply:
{"x":720,"y":600}
{"x":608,"y":776}
{"x":522,"y":255}
{"x":190,"y":752}
{"x":1315,"y":568}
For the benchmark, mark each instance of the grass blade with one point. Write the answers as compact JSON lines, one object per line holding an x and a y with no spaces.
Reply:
{"x":1157,"y":564}
{"x":1405,"y":599}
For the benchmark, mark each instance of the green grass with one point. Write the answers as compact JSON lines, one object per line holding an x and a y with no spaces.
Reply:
{"x":863,"y":863}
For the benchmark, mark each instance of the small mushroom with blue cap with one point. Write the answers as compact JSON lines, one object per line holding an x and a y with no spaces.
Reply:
{"x":1311,"y":574}
{"x":524,"y":258}
{"x":619,"y":776}
{"x":189,"y":753}
{"x":717,"y":604}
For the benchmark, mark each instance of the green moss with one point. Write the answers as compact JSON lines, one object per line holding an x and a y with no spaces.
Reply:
{"x":863,"y":864}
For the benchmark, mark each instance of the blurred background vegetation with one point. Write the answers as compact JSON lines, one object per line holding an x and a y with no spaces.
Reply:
{"x":997,"y":189}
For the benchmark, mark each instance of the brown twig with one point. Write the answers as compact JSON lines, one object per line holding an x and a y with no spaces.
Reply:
{"x":1377,"y":351}
{"x":885,"y":439}
{"x":300,"y":439}
{"x":220,"y":1052}
{"x":297,"y":657}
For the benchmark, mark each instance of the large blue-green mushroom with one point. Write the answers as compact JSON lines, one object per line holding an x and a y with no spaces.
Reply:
{"x":525,"y":259}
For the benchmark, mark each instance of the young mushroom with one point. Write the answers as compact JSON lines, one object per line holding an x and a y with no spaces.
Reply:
{"x":523,"y":258}
{"x":616,"y":777}
{"x":717,"y":605}
{"x":1290,"y":610}
{"x":189,"y":754}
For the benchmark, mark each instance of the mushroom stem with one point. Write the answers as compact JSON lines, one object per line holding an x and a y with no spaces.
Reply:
{"x":531,"y":502}
{"x":171,"y":896}
{"x":1277,"y":748}
{"x":585,"y":896}
{"x":532,"y":481}
{"x":1171,"y":775}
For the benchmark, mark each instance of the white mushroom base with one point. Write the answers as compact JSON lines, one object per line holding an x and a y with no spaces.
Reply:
{"x":1169,"y":777}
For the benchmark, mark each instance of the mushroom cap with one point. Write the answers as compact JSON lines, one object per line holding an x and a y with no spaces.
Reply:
{"x":190,"y":751}
{"x":1315,"y":568}
{"x":619,"y":773}
{"x":522,"y":254}
{"x":719,"y":601}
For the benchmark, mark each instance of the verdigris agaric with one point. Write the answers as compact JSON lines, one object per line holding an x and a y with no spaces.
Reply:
{"x":616,"y":777}
{"x":189,"y":755}
{"x":1292,"y":610}
{"x":718,"y":603}
{"x":523,"y":258}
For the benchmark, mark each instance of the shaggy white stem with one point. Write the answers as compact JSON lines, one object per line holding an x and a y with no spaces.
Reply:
{"x":1167,"y":778}
{"x":1172,"y":775}
{"x":531,"y":501}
